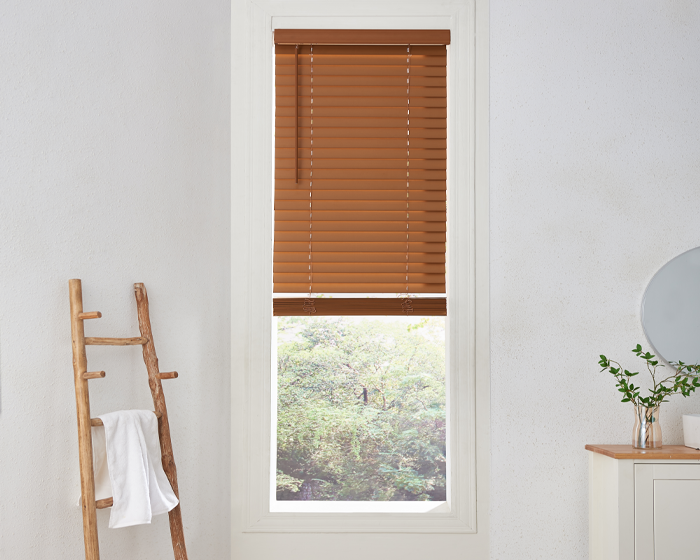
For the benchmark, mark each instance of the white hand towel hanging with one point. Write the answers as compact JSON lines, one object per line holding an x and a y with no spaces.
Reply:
{"x":140,"y":488}
{"x":103,"y":486}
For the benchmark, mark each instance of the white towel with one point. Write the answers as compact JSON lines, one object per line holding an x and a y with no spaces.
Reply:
{"x":103,"y":486}
{"x":139,"y":486}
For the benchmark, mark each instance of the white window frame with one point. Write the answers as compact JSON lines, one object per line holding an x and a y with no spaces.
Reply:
{"x":466,"y":508}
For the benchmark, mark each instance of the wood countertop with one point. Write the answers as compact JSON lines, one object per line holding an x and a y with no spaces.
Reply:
{"x":667,"y":452}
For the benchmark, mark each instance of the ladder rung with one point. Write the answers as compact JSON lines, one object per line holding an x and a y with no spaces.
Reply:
{"x":167,"y":375}
{"x":98,"y":421}
{"x":93,"y":374}
{"x":107,"y":502}
{"x":90,"y":315}
{"x":91,"y":340}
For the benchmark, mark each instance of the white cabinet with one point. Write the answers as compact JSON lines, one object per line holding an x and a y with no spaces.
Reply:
{"x":644,"y":505}
{"x":667,"y":511}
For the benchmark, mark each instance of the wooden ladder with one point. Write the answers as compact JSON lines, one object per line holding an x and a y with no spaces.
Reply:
{"x":82,"y":399}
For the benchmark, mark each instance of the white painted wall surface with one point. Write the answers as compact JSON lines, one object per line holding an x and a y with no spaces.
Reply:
{"x":595,"y":184}
{"x":114,"y":168}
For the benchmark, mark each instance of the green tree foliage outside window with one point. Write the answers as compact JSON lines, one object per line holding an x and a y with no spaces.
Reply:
{"x":361,"y":409}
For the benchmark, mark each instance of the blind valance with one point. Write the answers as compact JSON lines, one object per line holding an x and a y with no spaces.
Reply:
{"x":362,"y":36}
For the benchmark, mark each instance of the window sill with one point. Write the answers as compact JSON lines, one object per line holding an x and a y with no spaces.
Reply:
{"x":357,"y":507}
{"x":438,"y":520}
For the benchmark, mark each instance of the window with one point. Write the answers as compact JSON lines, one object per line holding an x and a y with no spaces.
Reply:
{"x":466,"y":368}
{"x":360,"y":208}
{"x":361,"y":411}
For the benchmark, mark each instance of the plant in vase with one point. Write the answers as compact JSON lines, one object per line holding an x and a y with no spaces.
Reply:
{"x":647,"y":430}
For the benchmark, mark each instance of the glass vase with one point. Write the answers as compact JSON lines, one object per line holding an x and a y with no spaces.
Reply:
{"x":647,"y":429}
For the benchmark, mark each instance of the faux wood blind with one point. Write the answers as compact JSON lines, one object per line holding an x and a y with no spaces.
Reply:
{"x":360,"y":173}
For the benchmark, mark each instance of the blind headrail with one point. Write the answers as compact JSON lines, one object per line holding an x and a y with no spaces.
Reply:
{"x":362,"y":36}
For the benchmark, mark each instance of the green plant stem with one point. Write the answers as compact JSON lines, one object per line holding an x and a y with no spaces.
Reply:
{"x":685,"y":379}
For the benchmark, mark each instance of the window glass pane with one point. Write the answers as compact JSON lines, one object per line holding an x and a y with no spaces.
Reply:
{"x":361,"y":408}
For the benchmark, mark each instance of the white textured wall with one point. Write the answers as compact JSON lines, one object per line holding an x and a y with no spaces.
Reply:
{"x":114,"y":129}
{"x":114,"y":168}
{"x":595,"y":184}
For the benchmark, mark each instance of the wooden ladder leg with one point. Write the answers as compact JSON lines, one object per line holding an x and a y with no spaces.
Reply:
{"x":166,"y":447}
{"x":82,"y":401}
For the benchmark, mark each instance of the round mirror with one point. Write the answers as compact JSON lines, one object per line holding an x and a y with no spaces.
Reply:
{"x":671,"y":309}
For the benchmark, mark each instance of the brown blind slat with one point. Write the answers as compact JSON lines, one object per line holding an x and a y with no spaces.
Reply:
{"x":349,"y":259}
{"x":433,"y":268}
{"x":351,"y":226}
{"x":360,"y":247}
{"x":288,"y":195}
{"x":347,"y":205}
{"x":359,"y":236}
{"x":362,"y":154}
{"x":370,"y":231}
{"x":418,"y":112}
{"x":370,"y":163}
{"x":359,"y":306}
{"x":369,"y":288}
{"x":359,"y":142}
{"x":360,"y":60}
{"x":363,"y":36}
{"x":345,"y":185}
{"x":398,"y":80}
{"x":360,"y":277}
{"x":285,"y":94}
{"x":367,"y":50}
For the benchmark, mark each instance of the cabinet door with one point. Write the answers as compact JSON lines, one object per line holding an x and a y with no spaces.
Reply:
{"x":667,"y":511}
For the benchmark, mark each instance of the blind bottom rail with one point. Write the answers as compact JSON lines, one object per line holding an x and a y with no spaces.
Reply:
{"x":299,"y":307}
